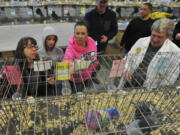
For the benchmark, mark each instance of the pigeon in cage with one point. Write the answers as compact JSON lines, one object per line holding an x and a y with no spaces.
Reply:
{"x":140,"y":126}
{"x":145,"y":120}
{"x":55,"y":16}
{"x":142,"y":109}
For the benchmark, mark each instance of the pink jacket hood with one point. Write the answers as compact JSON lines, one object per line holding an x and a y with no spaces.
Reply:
{"x":75,"y":51}
{"x":80,"y":49}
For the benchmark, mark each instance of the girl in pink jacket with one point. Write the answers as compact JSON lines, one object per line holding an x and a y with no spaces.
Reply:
{"x":81,"y":48}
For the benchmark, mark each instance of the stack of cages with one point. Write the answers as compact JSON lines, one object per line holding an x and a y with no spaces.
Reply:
{"x":116,"y":104}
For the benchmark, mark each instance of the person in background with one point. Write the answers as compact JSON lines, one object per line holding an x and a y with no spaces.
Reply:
{"x":50,"y":42}
{"x":176,"y":34}
{"x":153,"y":61}
{"x":36,"y":83}
{"x":50,"y":50}
{"x":81,"y":47}
{"x":102,"y":24}
{"x":137,"y":28}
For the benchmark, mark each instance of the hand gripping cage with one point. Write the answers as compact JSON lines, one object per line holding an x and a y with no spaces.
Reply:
{"x":111,"y":107}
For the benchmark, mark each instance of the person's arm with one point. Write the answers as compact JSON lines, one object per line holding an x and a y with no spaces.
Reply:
{"x":176,"y":31}
{"x":114,"y":27}
{"x":60,"y":53}
{"x":131,"y":58}
{"x":126,"y":34}
{"x":87,"y":19}
{"x":69,"y":57}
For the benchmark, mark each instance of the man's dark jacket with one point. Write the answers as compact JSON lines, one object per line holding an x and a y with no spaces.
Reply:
{"x":98,"y":25}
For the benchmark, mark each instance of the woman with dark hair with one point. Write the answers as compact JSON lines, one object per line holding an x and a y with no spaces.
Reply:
{"x":82,"y":50}
{"x":36,"y":83}
{"x":50,"y":50}
{"x":26,"y":44}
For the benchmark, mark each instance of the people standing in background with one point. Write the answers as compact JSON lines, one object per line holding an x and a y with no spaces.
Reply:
{"x":50,"y":51}
{"x":137,"y":28}
{"x":102,"y":24}
{"x":176,"y":34}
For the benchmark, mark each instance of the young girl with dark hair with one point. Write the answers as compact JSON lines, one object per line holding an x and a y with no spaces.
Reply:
{"x":50,"y":42}
{"x":36,"y":83}
{"x":50,"y":50}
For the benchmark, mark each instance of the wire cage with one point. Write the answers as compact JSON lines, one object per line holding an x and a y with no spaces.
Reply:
{"x":109,"y":107}
{"x":142,"y":112}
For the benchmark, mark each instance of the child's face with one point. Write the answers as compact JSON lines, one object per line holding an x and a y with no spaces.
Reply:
{"x":50,"y":41}
{"x":30,"y":50}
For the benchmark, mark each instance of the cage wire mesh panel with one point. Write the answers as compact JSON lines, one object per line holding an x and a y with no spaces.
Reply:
{"x":137,"y":112}
{"x":111,"y":106}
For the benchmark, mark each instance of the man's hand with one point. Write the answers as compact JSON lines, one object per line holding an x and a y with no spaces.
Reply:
{"x":177,"y":36}
{"x":104,"y":39}
{"x":128,"y":76}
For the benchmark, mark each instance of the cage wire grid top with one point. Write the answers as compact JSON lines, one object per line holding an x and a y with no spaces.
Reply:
{"x":140,"y":109}
{"x":67,"y":114}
